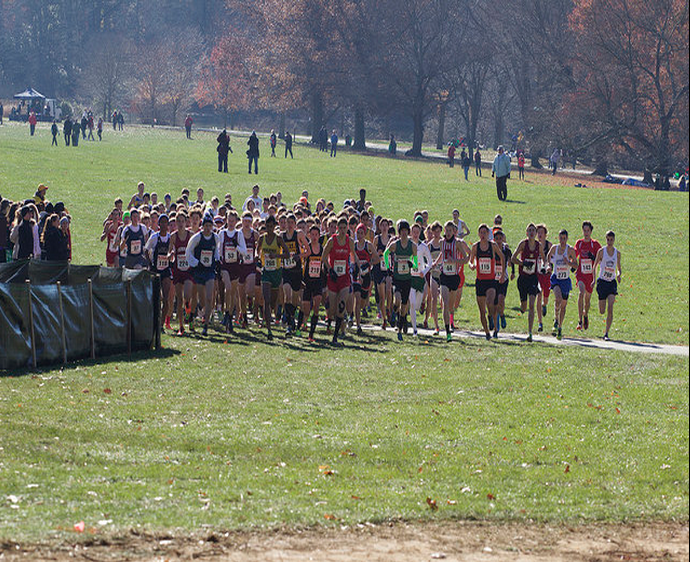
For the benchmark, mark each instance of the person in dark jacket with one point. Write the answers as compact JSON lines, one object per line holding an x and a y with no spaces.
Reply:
{"x":75,"y":133}
{"x":53,"y":241}
{"x":84,"y":123}
{"x":4,"y":228}
{"x":288,"y":139}
{"x":67,"y":130}
{"x":24,"y":235}
{"x":272,"y":143}
{"x":252,"y":152}
{"x":223,"y":148}
{"x":54,"y":132}
{"x":477,"y":159}
{"x":466,"y":162}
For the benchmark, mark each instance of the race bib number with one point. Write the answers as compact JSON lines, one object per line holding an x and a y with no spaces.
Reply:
{"x":586,"y":266}
{"x":112,"y":246}
{"x":340,"y":267}
{"x":270,"y":264}
{"x":365,"y":268}
{"x":289,"y":263}
{"x":529,"y":267}
{"x":609,"y":272}
{"x":449,"y":268}
{"x":248,"y":257}
{"x":136,"y":247}
{"x":314,"y":269}
{"x":161,"y":262}
{"x":498,"y":272}
{"x":403,"y":267}
{"x":485,"y":266}
{"x":561,"y":271}
{"x":206,"y":257}
{"x":230,"y":254}
{"x":182,"y":263}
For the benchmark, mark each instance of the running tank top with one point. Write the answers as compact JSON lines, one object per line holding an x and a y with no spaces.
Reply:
{"x":402,"y":255}
{"x":180,"y":246}
{"x":485,"y":270}
{"x":204,"y":252}
{"x":292,"y":263}
{"x":229,"y":246}
{"x":135,"y":240}
{"x":560,"y":263}
{"x":585,"y":250}
{"x":364,"y":256}
{"x":449,"y":253}
{"x":313,"y":264}
{"x":435,"y":253}
{"x":248,"y":257}
{"x":159,"y":262}
{"x":529,"y":258}
{"x":339,"y":257}
{"x":270,"y":264}
{"x":112,"y":241}
{"x":609,"y":265}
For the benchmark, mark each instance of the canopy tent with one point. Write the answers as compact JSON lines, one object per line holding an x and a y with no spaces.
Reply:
{"x":29,"y":94}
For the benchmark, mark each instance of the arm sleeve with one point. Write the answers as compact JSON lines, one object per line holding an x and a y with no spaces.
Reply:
{"x":37,"y":243}
{"x":151,"y":243}
{"x":190,"y":250}
{"x":386,"y":258}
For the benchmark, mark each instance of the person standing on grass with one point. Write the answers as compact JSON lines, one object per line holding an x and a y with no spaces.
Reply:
{"x":32,"y":123}
{"x":223,"y":148}
{"x":2,"y":110}
{"x":477,"y":160}
{"x":334,"y":141}
{"x":272,"y":143}
{"x":527,"y":255}
{"x":54,"y":132}
{"x":520,"y":164}
{"x":609,"y":259}
{"x":392,"y":145}
{"x":500,"y":171}
{"x":554,"y":160}
{"x":75,"y":133}
{"x":83,"y":123}
{"x":561,"y":258}
{"x":99,"y":129}
{"x":252,"y":152}
{"x":466,"y":163}
{"x":24,"y":235}
{"x":90,"y":126}
{"x":586,"y":249}
{"x":288,"y":139}
{"x":188,"y":126}
{"x":114,"y":118}
{"x":67,"y":130}
{"x":450,"y":154}
{"x":121,"y":120}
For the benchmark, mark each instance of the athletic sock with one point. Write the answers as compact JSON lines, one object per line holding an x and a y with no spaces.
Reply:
{"x":313,"y":324}
{"x":290,"y":315}
{"x":337,"y":328}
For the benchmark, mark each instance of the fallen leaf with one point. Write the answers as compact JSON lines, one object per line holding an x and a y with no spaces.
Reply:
{"x":330,"y":516}
{"x":567,"y":469}
{"x":431,"y":503}
{"x":617,"y":410}
{"x":107,"y":390}
{"x":451,"y":502}
{"x":79,"y":527}
{"x":491,"y":497}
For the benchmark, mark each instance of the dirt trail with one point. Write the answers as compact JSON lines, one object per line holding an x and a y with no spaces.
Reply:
{"x":454,"y":541}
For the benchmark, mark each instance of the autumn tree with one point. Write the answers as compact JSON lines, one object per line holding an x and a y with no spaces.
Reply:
{"x":632,"y":66}
{"x":183,"y":71}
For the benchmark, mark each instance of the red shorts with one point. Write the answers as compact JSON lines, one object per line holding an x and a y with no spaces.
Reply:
{"x":544,"y":282}
{"x":111,"y":257}
{"x":233,"y":270}
{"x":180,"y":277}
{"x":341,"y":283}
{"x":586,"y":279}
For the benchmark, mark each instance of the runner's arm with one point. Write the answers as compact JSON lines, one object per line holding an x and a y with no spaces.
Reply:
{"x":190,"y":250}
{"x":325,"y":253}
{"x":498,"y":252}
{"x":619,"y":266}
{"x":599,"y":257}
{"x":517,"y":252}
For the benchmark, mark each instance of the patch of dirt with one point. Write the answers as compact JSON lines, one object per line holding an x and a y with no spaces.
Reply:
{"x":454,"y":541}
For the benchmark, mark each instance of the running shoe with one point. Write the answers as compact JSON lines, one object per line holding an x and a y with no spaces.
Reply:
{"x":579,"y":326}
{"x":544,"y":309}
{"x":399,"y":336}
{"x":359,"y":331}
{"x":503,"y":322}
{"x":449,"y":337}
{"x":204,"y":329}
{"x":586,"y":322}
{"x":530,"y":338}
{"x":311,"y":339}
{"x":605,"y":337}
{"x":180,"y":332}
{"x":436,"y":332}
{"x":415,"y":333}
{"x":559,"y":333}
{"x":487,"y":336}
{"x":540,"y":326}
{"x":491,"y":324}
{"x":384,"y":325}
{"x":555,"y":325}
{"x":167,"y":324}
{"x":495,"y":334}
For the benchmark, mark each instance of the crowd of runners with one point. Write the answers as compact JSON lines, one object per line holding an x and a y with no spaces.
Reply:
{"x":276,"y":265}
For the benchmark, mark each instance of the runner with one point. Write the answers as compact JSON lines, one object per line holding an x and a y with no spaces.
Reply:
{"x":182,"y":276}
{"x":561,"y":258}
{"x":271,"y":248}
{"x":462,"y":280}
{"x":158,"y":249}
{"x":382,"y":276}
{"x":110,"y":232}
{"x":138,"y":198}
{"x":543,"y":275}
{"x":484,"y":254}
{"x":336,"y":256}
{"x":360,"y":271}
{"x":610,"y":261}
{"x":202,"y":255}
{"x":586,"y":249}
{"x":527,"y":256}
{"x":313,"y":279}
{"x":419,"y":274}
{"x":133,"y":237}
{"x":452,"y":257}
{"x":502,"y":277}
{"x":435,"y":248}
{"x":462,"y":229}
{"x":246,"y":274}
{"x":231,"y":243}
{"x":405,"y":258}
{"x":292,"y":274}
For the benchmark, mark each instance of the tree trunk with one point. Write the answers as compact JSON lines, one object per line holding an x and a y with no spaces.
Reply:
{"x":416,"y":149}
{"x":317,"y":116}
{"x":441,"y":125}
{"x":359,"y":129}
{"x":601,"y":167}
{"x":648,"y":177}
{"x":282,"y":125}
{"x":535,"y":160}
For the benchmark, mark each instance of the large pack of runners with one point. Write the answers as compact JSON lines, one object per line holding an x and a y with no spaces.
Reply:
{"x":293,"y":267}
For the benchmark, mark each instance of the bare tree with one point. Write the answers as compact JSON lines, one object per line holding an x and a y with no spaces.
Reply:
{"x":184,"y":71}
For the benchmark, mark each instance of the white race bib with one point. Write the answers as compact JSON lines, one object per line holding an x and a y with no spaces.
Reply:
{"x":161,"y":262}
{"x":449,"y":268}
{"x":182,"y":263}
{"x":402,"y":266}
{"x":136,"y":247}
{"x":248,"y":257}
{"x":340,"y":267}
{"x":498,"y":272}
{"x":586,"y":266}
{"x":315,"y":269}
{"x":289,"y":263}
{"x":206,"y":257}
{"x":561,"y":271}
{"x":230,"y":254}
{"x":485,"y":266}
{"x":270,"y":264}
{"x":365,"y":268}
{"x":609,"y":272}
{"x":529,"y":267}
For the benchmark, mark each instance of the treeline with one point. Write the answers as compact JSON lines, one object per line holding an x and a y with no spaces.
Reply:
{"x":605,"y":81}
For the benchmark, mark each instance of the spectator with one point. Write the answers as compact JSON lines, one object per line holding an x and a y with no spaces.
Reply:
{"x":255,"y":198}
{"x":477,"y":159}
{"x":99,"y":129}
{"x":32,"y":123}
{"x":360,"y":204}
{"x":2,"y":110}
{"x":40,"y":195}
{"x":54,"y":240}
{"x":115,"y":119}
{"x":4,"y":228}
{"x":188,"y":126}
{"x":392,"y":145}
{"x":288,"y":139}
{"x":83,"y":124}
{"x":334,"y":141}
{"x":500,"y":171}
{"x":121,"y":120}
{"x":466,"y":162}
{"x":682,"y":184}
{"x":54,"y":132}
{"x":75,"y":133}
{"x":65,"y":228}
{"x":252,"y":152}
{"x":67,"y":130}
{"x":24,"y":235}
{"x":451,"y":151}
{"x":520,"y":164}
{"x":90,"y":126}
{"x":554,"y":160}
{"x":272,"y":143}
{"x":223,"y":148}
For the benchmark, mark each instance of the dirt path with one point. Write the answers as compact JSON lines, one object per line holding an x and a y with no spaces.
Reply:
{"x":462,"y":541}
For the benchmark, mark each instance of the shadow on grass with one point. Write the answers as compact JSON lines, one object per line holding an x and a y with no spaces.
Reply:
{"x":123,"y":358}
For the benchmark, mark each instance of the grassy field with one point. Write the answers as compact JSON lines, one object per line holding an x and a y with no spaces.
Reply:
{"x":233,"y":432}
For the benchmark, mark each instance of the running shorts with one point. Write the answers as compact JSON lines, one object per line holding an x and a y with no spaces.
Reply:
{"x":564,"y":284}
{"x":292,"y":277}
{"x":484,"y":285}
{"x":527,"y":285}
{"x":452,"y":282}
{"x":606,"y":288}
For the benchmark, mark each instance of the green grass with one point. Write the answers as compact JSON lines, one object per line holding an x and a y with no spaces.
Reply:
{"x":236,"y":433}
{"x":652,"y":227}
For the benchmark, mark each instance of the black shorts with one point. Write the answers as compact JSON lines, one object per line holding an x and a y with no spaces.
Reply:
{"x":527,"y":285}
{"x":313,"y":288}
{"x":501,"y":290}
{"x":452,"y":282}
{"x":403,"y":287}
{"x":292,"y":277}
{"x":380,"y":275}
{"x":484,"y":285}
{"x":606,"y":288}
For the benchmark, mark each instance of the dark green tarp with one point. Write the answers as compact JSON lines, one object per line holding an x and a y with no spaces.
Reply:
{"x":108,"y":304}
